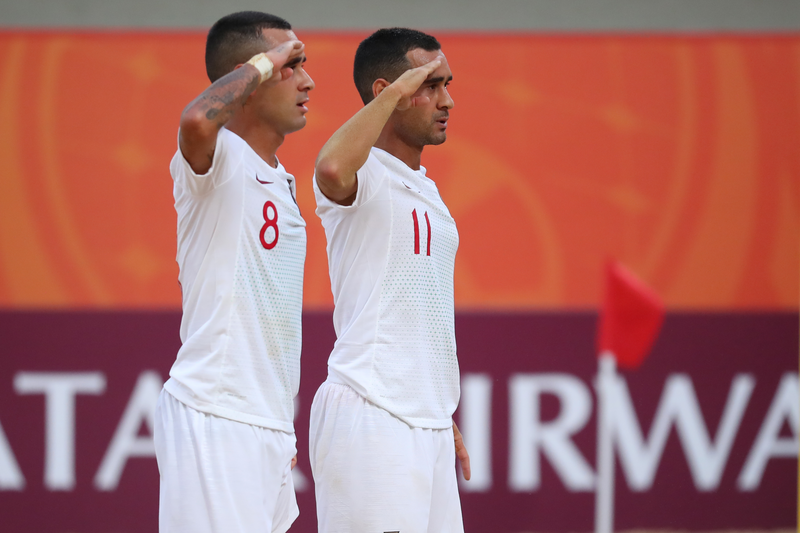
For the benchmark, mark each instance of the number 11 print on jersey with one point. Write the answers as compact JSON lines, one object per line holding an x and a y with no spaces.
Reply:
{"x":416,"y":232}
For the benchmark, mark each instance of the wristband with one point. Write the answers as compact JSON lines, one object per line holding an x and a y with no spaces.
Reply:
{"x":263,"y":64}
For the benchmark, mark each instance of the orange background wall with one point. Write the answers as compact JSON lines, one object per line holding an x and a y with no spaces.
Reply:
{"x":680,"y":156}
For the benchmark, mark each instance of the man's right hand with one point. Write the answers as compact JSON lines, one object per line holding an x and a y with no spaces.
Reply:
{"x":283,"y":58}
{"x":410,"y":81}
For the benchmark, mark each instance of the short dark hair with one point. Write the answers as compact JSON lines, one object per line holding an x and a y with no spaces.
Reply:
{"x":383,"y":55}
{"x":237,"y":37}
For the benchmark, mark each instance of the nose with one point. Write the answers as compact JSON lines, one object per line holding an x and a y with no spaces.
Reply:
{"x":307,"y":83}
{"x":446,"y":102}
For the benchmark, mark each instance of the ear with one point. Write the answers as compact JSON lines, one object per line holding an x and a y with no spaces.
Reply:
{"x":378,"y":86}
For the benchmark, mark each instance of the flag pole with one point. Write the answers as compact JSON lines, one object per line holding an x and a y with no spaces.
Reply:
{"x":630,"y":319}
{"x":604,"y":484}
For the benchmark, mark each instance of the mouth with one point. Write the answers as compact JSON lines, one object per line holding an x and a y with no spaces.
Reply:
{"x":442,"y":121}
{"x":302,"y":105}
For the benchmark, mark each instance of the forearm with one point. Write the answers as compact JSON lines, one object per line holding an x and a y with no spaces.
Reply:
{"x":209,"y":112}
{"x":348,"y":148}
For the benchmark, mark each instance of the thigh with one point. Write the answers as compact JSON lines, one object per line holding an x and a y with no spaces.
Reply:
{"x":218,"y":475}
{"x":372,"y":472}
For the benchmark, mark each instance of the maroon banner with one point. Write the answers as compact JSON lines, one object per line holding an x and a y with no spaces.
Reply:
{"x":706,"y":431}
{"x":707,"y":427}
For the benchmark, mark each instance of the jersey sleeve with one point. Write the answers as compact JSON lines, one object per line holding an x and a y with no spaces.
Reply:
{"x":227,"y":156}
{"x":369,"y":178}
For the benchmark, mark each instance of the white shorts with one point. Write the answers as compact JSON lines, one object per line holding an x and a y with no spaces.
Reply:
{"x":374,"y":473}
{"x":218,"y":475}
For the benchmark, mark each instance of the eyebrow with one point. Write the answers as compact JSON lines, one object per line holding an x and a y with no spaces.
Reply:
{"x":295,"y":61}
{"x":440,"y":79}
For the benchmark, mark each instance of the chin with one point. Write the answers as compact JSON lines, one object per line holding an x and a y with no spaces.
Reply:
{"x":438,"y":139}
{"x":297,"y":125}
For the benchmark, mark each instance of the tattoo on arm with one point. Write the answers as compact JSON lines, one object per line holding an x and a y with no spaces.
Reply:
{"x":218,"y":100}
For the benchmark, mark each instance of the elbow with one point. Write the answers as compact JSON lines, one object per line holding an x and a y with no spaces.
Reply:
{"x":328,"y":172}
{"x":334,"y":182}
{"x":195,"y":125}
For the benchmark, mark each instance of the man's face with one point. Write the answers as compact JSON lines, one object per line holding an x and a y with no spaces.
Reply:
{"x":426,"y":124}
{"x":283,"y":104}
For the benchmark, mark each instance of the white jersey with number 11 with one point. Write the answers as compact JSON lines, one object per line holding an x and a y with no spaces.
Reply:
{"x":391,"y":256}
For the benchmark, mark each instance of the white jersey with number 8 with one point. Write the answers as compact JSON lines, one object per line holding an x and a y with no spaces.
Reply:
{"x":391,"y":256}
{"x":241,"y":251}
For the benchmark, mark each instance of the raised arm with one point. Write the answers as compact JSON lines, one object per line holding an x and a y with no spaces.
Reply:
{"x":348,"y":148}
{"x":208,"y":113}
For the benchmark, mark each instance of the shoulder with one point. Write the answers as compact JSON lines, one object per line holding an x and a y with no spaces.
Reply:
{"x":227,"y":157}
{"x":231,"y":142}
{"x":374,"y":168}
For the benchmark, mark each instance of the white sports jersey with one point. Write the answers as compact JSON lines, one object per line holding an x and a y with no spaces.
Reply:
{"x":391,"y":256}
{"x":241,"y":251}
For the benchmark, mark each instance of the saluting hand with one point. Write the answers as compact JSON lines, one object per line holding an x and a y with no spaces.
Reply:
{"x":410,"y":81}
{"x":284,"y":54}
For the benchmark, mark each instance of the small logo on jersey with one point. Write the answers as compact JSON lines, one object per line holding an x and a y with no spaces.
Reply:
{"x":410,"y":189}
{"x":262,"y":181}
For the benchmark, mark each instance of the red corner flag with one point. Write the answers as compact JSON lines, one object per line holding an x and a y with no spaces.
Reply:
{"x":630,"y":319}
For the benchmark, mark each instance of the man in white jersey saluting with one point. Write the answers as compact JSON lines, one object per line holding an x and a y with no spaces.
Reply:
{"x":224,"y":431}
{"x":382,"y":434}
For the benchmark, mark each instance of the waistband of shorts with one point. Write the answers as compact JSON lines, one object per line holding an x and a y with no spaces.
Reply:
{"x":424,"y":423}
{"x":336,"y":381}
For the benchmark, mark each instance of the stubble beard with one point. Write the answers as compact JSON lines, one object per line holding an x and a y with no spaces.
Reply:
{"x":422,"y":137}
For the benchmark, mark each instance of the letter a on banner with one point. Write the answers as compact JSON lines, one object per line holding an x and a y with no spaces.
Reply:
{"x":630,"y":319}
{"x":126,"y":442}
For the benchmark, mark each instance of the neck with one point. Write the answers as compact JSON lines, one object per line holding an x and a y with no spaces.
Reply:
{"x":391,"y":143}
{"x":264,"y":140}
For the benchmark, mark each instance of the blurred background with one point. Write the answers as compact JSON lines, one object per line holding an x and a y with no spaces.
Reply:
{"x":663,"y":134}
